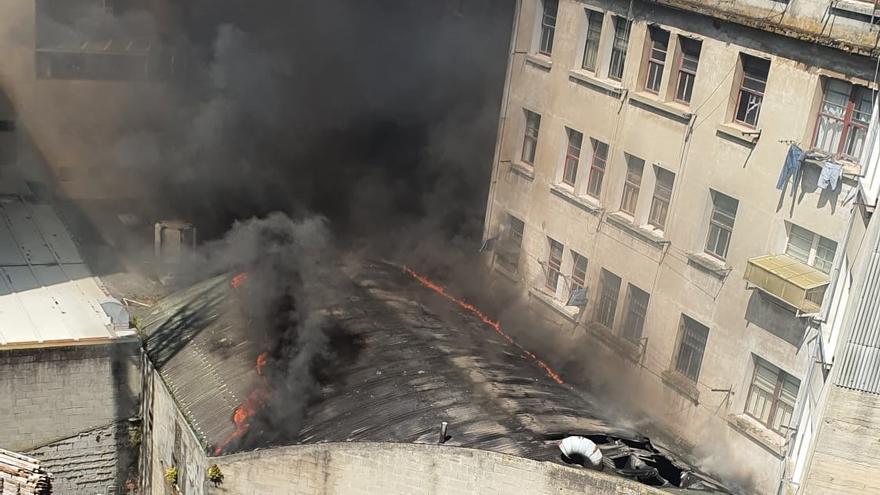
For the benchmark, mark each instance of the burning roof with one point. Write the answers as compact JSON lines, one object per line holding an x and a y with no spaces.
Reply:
{"x":400,"y":370}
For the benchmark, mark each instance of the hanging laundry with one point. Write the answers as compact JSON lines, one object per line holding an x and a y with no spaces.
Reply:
{"x":578,"y":298}
{"x":830,"y":175}
{"x":791,"y":166}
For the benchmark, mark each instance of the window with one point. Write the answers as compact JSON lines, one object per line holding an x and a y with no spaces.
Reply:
{"x":597,"y":168}
{"x":607,"y":305}
{"x":662,"y":197}
{"x":554,"y":263}
{"x":618,"y":48}
{"x":772,"y":396}
{"x":843,"y":119}
{"x":751,"y":89}
{"x":721,"y":224}
{"x":548,"y":26}
{"x":510,"y":243}
{"x":691,"y":346}
{"x":658,"y":41}
{"x":634,"y":168}
{"x":810,"y":248}
{"x":572,"y":155}
{"x":591,"y":46}
{"x":578,"y":272}
{"x":636,"y":309}
{"x":688,"y":59}
{"x":530,"y":140}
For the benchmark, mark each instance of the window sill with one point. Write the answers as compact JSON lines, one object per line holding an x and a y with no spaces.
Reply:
{"x":739,"y":133}
{"x":627,"y":349}
{"x":611,"y":87}
{"x":569,"y":313}
{"x":681,"y":384}
{"x":651,"y":103}
{"x":625,"y":222}
{"x":708,"y":264}
{"x":765,"y":437}
{"x":513,"y":276}
{"x":861,"y":9}
{"x":585,"y":204}
{"x":523,"y":169}
{"x":539,"y":61}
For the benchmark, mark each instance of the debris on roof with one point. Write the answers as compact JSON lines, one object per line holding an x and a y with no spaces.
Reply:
{"x":22,"y":475}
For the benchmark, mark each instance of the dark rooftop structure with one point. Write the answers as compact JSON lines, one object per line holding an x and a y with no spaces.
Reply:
{"x":407,"y":369}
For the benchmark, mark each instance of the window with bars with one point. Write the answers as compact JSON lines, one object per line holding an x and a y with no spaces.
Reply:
{"x":810,"y":248}
{"x":618,"y":48}
{"x":597,"y":168}
{"x":636,"y":310}
{"x":591,"y":45}
{"x":606,"y":307}
{"x":548,"y":26}
{"x":578,"y":272}
{"x":688,"y":60}
{"x":662,"y":197}
{"x":572,"y":156}
{"x":530,"y":139}
{"x":634,"y":168}
{"x":721,"y":224}
{"x":658,"y":42}
{"x":753,"y":82}
{"x":554,"y":264}
{"x":691,"y":346}
{"x":844,"y":116}
{"x":772,"y":396}
{"x":510,"y":244}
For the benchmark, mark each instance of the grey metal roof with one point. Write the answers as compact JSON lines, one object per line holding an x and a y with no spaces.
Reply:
{"x":860,"y":366}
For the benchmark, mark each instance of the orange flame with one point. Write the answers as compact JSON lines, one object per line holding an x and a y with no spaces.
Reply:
{"x":485,"y":319}
{"x":238,"y":280}
{"x":242,"y":414}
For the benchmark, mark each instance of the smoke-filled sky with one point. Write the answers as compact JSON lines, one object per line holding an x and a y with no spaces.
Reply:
{"x":378,"y":114}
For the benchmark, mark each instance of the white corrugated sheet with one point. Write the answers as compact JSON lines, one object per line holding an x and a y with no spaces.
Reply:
{"x":47,"y":293}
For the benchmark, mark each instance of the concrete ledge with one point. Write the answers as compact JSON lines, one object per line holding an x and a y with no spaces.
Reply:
{"x":861,"y":10}
{"x":582,"y":203}
{"x":523,"y":169}
{"x":594,"y":82}
{"x":760,"y":434}
{"x":539,"y":61}
{"x":737,"y":133}
{"x":652,"y":104}
{"x":553,"y":304}
{"x":682,"y":385}
{"x":403,"y":468}
{"x":708,"y":264}
{"x":619,"y":220}
{"x":617,"y":343}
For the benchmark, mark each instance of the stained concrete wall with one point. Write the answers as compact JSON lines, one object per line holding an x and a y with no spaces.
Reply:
{"x":57,"y":392}
{"x":697,"y":143}
{"x":406,"y":469}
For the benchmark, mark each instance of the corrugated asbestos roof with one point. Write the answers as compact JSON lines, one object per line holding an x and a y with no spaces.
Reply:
{"x":860,"y":366}
{"x":199,"y":344}
{"x":47,"y":293}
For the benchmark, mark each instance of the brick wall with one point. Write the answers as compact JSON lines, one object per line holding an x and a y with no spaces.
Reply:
{"x":55,"y":393}
{"x":406,"y":469}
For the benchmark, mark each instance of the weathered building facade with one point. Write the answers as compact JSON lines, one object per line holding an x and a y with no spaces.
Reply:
{"x":691,"y":169}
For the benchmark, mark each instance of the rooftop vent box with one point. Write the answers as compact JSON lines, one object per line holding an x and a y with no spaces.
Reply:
{"x":173,"y":239}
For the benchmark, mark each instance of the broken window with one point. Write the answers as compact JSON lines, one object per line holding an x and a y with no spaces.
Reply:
{"x":662,"y":197}
{"x":554,"y":264}
{"x":688,"y":60}
{"x":607,"y":304}
{"x":548,"y":26}
{"x":772,"y":396}
{"x":632,"y":185}
{"x":618,"y":48}
{"x":508,"y":251}
{"x":658,"y":41}
{"x":721,"y":224}
{"x":572,"y":155}
{"x":753,"y":82}
{"x":591,"y":45}
{"x":578,"y":272}
{"x":842,"y":123}
{"x":636,"y":310}
{"x":530,"y":140}
{"x":597,"y":168}
{"x":810,"y":248}
{"x":691,"y":346}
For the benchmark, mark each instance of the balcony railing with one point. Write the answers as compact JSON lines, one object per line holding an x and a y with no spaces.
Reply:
{"x":797,"y":284}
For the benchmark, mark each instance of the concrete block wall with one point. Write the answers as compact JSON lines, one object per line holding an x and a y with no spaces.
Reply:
{"x":55,"y":393}
{"x":406,"y":469}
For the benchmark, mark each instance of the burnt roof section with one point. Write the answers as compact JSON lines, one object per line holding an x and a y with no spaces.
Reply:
{"x":199,"y":343}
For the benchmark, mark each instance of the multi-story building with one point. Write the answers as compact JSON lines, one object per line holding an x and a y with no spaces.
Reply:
{"x":690,"y":168}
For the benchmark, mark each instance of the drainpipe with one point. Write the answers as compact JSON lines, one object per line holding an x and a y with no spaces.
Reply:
{"x":502,"y":122}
